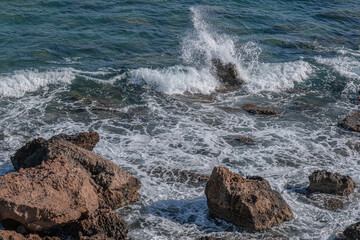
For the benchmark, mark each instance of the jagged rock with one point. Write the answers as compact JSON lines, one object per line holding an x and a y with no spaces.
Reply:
{"x":331,"y":183}
{"x":352,"y":232}
{"x":87,"y":140}
{"x":50,"y":194}
{"x":116,"y":187}
{"x":227,"y":73}
{"x":257,"y":110}
{"x":351,"y":122}
{"x":247,"y":202}
{"x":12,"y":235}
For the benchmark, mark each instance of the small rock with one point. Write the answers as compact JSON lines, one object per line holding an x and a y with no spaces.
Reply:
{"x":351,"y":122}
{"x":326,"y":201}
{"x":331,"y":183}
{"x":352,"y":232}
{"x":50,"y":194}
{"x":247,"y":202}
{"x":227,"y":73}
{"x":210,"y":238}
{"x":245,"y":140}
{"x":254,"y":109}
{"x":176,"y":175}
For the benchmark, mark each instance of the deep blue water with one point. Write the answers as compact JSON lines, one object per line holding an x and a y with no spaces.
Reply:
{"x":138,"y":72}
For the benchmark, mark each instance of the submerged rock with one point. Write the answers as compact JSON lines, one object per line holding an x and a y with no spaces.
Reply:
{"x":247,"y":202}
{"x":352,"y":232}
{"x":351,"y":122}
{"x":210,"y":238}
{"x":51,"y":194}
{"x":331,"y":183}
{"x":247,"y":140}
{"x":257,"y":110}
{"x":115,"y":186}
{"x":227,"y":73}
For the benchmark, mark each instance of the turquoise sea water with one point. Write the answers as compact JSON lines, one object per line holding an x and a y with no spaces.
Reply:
{"x":138,"y":72}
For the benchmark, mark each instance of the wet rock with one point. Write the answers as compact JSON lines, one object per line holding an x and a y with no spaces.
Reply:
{"x":352,"y":232}
{"x":331,"y":183}
{"x":50,"y":194}
{"x":227,"y":73}
{"x":257,"y":110}
{"x":86,"y":140}
{"x":351,"y":122}
{"x":326,"y":201}
{"x":12,"y":235}
{"x":210,"y":238}
{"x":247,"y":202}
{"x":116,"y":187}
{"x":176,"y":175}
{"x":245,"y":140}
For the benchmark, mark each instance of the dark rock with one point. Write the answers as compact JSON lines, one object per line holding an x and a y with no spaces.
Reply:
{"x":254,"y":109}
{"x":326,"y":201}
{"x":176,"y":175}
{"x":245,"y":140}
{"x":351,"y":122}
{"x":246,"y":202}
{"x":352,"y":232}
{"x":116,"y":187}
{"x":87,"y":140}
{"x":210,"y":238}
{"x":227,"y":73}
{"x":331,"y":183}
{"x":51,"y":194}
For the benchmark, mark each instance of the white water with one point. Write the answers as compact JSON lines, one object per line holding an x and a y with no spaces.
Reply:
{"x":202,"y":45}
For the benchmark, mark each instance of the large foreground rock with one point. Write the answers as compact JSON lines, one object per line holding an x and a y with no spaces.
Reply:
{"x":227,"y":73}
{"x":351,"y":122}
{"x":12,"y":235}
{"x":115,"y":186}
{"x":51,"y":194}
{"x":331,"y":183}
{"x":247,"y":202}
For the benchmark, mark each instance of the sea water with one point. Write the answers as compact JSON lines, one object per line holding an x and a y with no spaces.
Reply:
{"x":139,"y":73}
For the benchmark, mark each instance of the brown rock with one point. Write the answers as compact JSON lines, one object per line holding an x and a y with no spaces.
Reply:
{"x":352,"y":232}
{"x":12,"y":235}
{"x":51,"y":194}
{"x":227,"y":73}
{"x":104,"y":222}
{"x":351,"y":122}
{"x":87,"y":140}
{"x":115,"y":186}
{"x":331,"y":183}
{"x":245,"y":140}
{"x":34,"y":149}
{"x":326,"y":201}
{"x":254,"y":109}
{"x":246,"y":202}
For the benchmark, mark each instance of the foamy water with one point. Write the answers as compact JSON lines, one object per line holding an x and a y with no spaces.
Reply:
{"x":148,"y":119}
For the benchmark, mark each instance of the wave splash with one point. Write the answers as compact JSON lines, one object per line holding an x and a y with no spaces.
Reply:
{"x":202,"y":45}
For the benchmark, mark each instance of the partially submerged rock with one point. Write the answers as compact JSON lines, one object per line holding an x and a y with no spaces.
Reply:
{"x":210,"y":238}
{"x":227,"y":73}
{"x":115,"y":186}
{"x":331,"y":183}
{"x":48,"y":195}
{"x":257,"y":110}
{"x":352,"y":232}
{"x":247,"y":140}
{"x":326,"y":201}
{"x":247,"y":202}
{"x":351,"y":122}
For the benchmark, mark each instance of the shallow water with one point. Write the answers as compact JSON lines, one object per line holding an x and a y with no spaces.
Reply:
{"x":139,"y":73}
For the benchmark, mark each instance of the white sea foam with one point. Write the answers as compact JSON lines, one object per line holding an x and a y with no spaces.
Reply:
{"x":20,"y":82}
{"x":202,"y":45}
{"x":346,"y":66}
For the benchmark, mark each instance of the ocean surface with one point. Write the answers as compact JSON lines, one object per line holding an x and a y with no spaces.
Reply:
{"x":139,"y":73}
